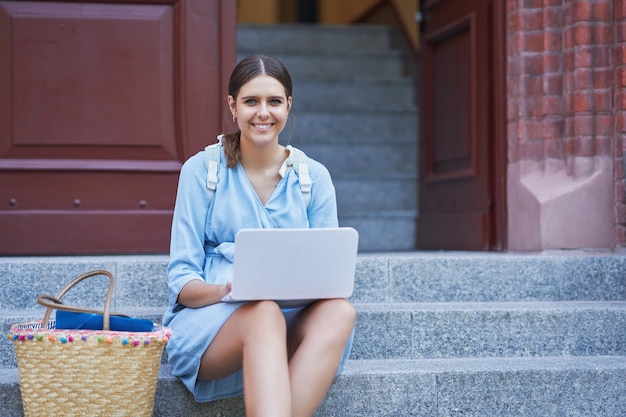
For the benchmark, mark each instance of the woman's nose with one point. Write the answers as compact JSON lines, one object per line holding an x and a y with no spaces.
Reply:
{"x":263,"y":113}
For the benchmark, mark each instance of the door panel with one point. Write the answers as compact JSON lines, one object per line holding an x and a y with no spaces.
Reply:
{"x":456,"y":182}
{"x":100,"y":103}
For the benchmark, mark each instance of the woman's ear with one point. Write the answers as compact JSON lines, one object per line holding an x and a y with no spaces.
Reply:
{"x":289,"y":101}
{"x":232,"y":107}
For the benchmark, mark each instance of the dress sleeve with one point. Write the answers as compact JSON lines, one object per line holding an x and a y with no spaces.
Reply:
{"x":322,"y":209}
{"x":187,"y":254}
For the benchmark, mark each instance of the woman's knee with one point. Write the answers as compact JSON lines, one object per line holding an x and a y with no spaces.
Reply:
{"x":265,"y":316}
{"x":342,"y":311}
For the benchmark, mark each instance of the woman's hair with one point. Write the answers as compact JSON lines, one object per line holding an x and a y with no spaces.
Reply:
{"x":247,"y":69}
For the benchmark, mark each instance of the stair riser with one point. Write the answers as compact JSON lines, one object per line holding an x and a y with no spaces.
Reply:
{"x":353,"y":128}
{"x":369,"y":195}
{"x":480,"y":332}
{"x":483,"y":392}
{"x":562,"y":329}
{"x":366,"y":161}
{"x":303,"y":68}
{"x":381,"y":231}
{"x":355,"y":96}
{"x":413,"y":277}
{"x":312,"y":40}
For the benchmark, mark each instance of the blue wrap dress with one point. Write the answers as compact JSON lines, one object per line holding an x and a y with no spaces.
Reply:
{"x":202,"y":248}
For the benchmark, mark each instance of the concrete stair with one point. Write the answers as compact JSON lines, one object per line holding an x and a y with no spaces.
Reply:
{"x":438,"y":334}
{"x":355,"y":111}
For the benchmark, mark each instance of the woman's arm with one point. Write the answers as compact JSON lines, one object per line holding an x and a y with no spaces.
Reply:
{"x":185,"y":271}
{"x":198,"y":293}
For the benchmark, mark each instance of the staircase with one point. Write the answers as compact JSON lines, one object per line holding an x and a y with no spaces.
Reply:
{"x":437,"y":334}
{"x":354,"y":108}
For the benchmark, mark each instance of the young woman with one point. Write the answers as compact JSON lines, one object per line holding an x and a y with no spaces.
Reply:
{"x":283,"y":360}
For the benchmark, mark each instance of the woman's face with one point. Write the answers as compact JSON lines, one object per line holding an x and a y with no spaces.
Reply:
{"x":261,"y":109}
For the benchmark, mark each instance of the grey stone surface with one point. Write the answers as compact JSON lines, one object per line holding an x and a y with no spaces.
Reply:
{"x":313,"y":39}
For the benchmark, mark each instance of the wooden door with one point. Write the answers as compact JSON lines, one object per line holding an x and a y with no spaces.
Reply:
{"x":100,"y":103}
{"x":461,"y":180}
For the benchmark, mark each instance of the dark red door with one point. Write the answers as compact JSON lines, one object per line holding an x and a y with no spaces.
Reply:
{"x":458,"y":189}
{"x":100,"y":103}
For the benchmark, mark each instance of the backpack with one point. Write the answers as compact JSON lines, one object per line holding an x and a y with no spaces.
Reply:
{"x":299,"y":163}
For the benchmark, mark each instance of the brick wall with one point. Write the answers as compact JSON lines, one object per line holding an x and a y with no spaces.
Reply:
{"x":566,"y":85}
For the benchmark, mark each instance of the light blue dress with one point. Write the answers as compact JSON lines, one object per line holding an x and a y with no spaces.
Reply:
{"x":202,"y":248}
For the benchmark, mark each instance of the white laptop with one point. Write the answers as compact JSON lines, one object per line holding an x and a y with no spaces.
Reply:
{"x":294,"y":266}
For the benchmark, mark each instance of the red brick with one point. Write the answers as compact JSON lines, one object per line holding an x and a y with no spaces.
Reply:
{"x":583,"y":78}
{"x":552,"y":148}
{"x":531,"y":150}
{"x":604,"y":125}
{"x":603,"y":11}
{"x":619,"y":11}
{"x":552,"y":18}
{"x":584,"y":146}
{"x":583,"y":124}
{"x":533,"y":85}
{"x":620,"y":31}
{"x":603,"y":77}
{"x":602,"y":100}
{"x":553,"y":127}
{"x":532,"y":20}
{"x":553,"y":83}
{"x":603,"y":35}
{"x":532,"y":42}
{"x":584,"y":57}
{"x":533,"y":64}
{"x":569,"y":38}
{"x":532,"y":4}
{"x":514,"y":21}
{"x":621,"y":77}
{"x":552,"y":40}
{"x":551,"y":62}
{"x":552,"y":105}
{"x":602,"y":145}
{"x":620,"y":54}
{"x":582,"y":11}
{"x":620,"y":122}
{"x":533,"y":130}
{"x":583,"y":101}
{"x":569,"y":147}
{"x":583,"y":34}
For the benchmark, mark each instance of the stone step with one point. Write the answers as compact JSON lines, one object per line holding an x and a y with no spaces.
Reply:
{"x":521,"y":387}
{"x":377,"y":160}
{"x":314,"y":39}
{"x":367,"y":194}
{"x":382,"y":230}
{"x":352,"y":127}
{"x":380,"y":277}
{"x":449,"y":330}
{"x":377,"y":65}
{"x":387,"y":96}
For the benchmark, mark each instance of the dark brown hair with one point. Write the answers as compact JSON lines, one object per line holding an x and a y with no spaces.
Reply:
{"x":247,"y":69}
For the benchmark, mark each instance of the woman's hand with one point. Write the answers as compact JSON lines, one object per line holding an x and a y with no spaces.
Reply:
{"x":197,"y":293}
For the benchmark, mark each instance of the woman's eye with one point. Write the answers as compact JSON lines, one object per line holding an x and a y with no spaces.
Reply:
{"x":276,"y":102}
{"x":250,"y":101}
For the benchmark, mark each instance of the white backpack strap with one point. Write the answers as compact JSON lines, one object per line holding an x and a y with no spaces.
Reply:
{"x":305,"y":181}
{"x":213,"y":153}
{"x":300,"y":164}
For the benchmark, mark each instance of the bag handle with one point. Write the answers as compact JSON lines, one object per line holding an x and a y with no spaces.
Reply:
{"x":55,"y":302}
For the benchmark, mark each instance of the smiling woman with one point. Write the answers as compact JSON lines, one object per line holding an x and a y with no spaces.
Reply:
{"x":283,"y":360}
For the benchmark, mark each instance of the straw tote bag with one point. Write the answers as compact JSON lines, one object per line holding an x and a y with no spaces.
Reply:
{"x":86,"y":372}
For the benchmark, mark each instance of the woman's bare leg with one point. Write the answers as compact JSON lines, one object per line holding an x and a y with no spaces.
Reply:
{"x":319,"y":337}
{"x":254,"y":338}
